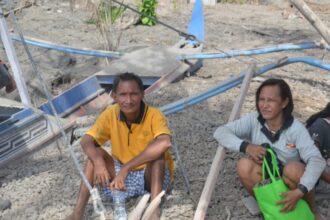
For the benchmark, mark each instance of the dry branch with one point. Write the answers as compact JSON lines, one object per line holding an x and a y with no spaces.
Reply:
{"x":313,"y":19}
{"x":27,"y":5}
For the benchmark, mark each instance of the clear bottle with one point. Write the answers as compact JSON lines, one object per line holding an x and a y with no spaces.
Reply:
{"x":119,"y":209}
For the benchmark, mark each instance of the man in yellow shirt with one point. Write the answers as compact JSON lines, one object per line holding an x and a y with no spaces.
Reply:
{"x":140,"y":143}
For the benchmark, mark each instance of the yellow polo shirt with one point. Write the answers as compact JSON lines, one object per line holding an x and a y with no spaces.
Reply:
{"x":127,"y":143}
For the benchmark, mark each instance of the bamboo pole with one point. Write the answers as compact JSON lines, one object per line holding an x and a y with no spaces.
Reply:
{"x":136,"y":214}
{"x":154,"y":204}
{"x":220,"y":154}
{"x":313,"y":19}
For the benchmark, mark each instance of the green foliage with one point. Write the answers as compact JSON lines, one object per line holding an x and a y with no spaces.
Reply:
{"x":106,"y":13}
{"x":148,"y":7}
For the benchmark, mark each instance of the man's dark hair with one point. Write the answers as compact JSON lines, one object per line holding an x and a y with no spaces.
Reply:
{"x":127,"y":77}
{"x":324,"y":113}
{"x":285,"y":92}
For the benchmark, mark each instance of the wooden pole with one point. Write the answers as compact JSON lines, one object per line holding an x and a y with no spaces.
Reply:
{"x":235,"y":112}
{"x":313,"y":19}
{"x":220,"y":154}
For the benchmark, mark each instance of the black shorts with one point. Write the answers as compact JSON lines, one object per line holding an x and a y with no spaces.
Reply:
{"x":4,"y":76}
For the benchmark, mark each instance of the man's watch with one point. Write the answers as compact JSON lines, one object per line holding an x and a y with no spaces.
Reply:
{"x":303,"y":189}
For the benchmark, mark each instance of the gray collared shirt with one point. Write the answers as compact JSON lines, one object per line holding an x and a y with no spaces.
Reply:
{"x":293,"y":144}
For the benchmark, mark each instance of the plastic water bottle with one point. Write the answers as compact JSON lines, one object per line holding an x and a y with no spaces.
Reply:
{"x":119,"y":209}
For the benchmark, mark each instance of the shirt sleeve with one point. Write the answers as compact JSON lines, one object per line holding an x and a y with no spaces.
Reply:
{"x":100,"y":131}
{"x":159,"y":124}
{"x":311,"y":156}
{"x":233,"y":134}
{"x":316,"y":131}
{"x":320,"y":131}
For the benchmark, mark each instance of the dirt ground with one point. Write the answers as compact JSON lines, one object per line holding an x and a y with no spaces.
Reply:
{"x":45,"y":184}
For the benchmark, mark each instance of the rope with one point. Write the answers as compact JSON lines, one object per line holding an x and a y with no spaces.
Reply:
{"x":97,"y":203}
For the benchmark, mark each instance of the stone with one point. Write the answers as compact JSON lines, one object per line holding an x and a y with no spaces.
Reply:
{"x":4,"y":204}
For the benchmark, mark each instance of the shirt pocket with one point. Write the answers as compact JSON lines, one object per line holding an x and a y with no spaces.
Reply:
{"x":290,"y":149}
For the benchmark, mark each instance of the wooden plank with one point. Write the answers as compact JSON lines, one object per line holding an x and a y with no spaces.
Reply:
{"x":235,"y":113}
{"x":220,"y":154}
{"x":177,"y":71}
{"x":313,"y":19}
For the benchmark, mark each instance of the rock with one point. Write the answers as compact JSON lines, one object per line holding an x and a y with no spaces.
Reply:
{"x":4,"y":204}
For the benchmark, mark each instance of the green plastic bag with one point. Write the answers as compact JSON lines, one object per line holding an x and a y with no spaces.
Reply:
{"x":268,"y":195}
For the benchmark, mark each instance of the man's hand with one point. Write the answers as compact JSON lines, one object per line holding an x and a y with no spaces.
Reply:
{"x":118,"y":183}
{"x":256,"y":152}
{"x":101,"y":174}
{"x":290,"y":199}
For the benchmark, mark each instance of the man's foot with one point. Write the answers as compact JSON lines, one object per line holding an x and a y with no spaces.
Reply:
{"x":4,"y":204}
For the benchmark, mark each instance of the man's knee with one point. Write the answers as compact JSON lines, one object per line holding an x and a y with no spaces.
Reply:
{"x":160,"y":161}
{"x":292,"y":173}
{"x":155,"y":166}
{"x":245,"y":167}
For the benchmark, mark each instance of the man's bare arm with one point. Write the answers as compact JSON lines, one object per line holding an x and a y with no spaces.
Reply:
{"x":101,"y":174}
{"x":154,"y":150}
{"x":88,"y":144}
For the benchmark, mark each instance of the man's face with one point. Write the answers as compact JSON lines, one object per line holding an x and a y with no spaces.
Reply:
{"x":128,"y":96}
{"x":270,"y":102}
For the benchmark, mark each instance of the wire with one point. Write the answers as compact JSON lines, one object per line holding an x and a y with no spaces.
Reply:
{"x":186,"y":35}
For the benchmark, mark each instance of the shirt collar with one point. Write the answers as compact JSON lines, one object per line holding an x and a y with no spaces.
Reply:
{"x":287,"y":123}
{"x":139,"y":118}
